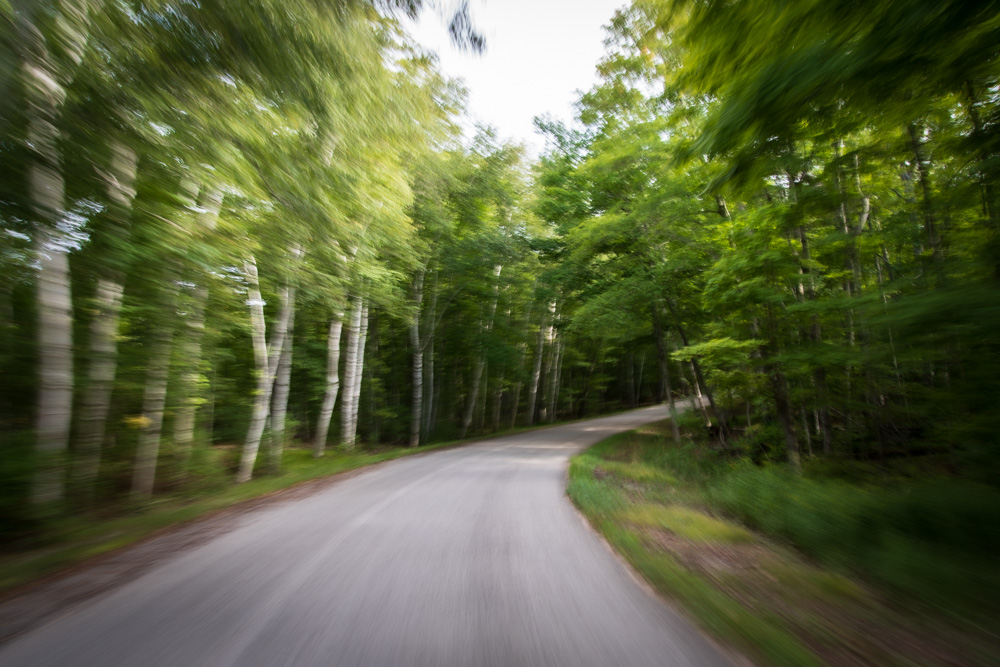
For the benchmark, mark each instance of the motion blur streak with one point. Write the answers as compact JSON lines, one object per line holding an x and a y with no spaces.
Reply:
{"x":470,"y":556}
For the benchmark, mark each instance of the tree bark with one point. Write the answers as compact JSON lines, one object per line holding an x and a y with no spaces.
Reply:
{"x":556,"y":378}
{"x":100,"y":381}
{"x":696,"y":367}
{"x":470,"y":405}
{"x":332,"y":384}
{"x":153,"y":403}
{"x":279,"y":403}
{"x":350,"y":368}
{"x":120,"y":188}
{"x":927,"y":206}
{"x":359,"y":372}
{"x":45,"y":86}
{"x":189,"y":396}
{"x":354,"y":365}
{"x":779,"y":387}
{"x":485,"y":328}
{"x":417,"y":347}
{"x":266,"y":358}
{"x":816,"y":336}
{"x":429,"y":416}
{"x":664,"y":358}
{"x":536,"y":374}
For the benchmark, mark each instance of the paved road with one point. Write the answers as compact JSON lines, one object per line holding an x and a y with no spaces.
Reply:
{"x":464,"y":557}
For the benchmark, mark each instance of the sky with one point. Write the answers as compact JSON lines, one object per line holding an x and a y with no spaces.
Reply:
{"x":539,"y":53}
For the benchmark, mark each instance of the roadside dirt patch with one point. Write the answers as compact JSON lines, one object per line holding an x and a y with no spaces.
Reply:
{"x":709,"y":557}
{"x":855,"y":628}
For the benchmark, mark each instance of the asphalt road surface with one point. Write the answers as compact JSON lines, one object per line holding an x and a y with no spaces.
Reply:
{"x":464,"y":557}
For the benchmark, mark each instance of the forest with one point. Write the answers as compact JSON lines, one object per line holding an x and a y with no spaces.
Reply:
{"x":229,"y":233}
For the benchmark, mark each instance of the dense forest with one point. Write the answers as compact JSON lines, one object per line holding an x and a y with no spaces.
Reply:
{"x":232,"y":231}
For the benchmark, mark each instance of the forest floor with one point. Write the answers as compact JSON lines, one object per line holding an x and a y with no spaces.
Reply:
{"x":752,"y":591}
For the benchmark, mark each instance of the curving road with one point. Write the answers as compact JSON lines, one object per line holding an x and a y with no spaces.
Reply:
{"x":464,"y":557}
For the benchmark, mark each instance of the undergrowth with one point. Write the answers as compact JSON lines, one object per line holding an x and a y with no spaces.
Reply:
{"x":832,"y":557}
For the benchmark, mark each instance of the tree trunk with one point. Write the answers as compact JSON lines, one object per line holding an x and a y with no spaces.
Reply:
{"x":497,"y":404}
{"x":470,"y":406}
{"x":696,"y":367}
{"x":630,"y":379}
{"x":100,"y":381}
{"x":989,"y":198}
{"x":266,"y":358}
{"x":779,"y":387}
{"x":417,"y":350}
{"x":553,"y":378}
{"x":428,"y":344}
{"x":354,"y":365}
{"x":429,"y":404}
{"x":153,"y":402}
{"x":536,"y":374}
{"x":359,"y":372}
{"x":927,"y":206}
{"x":485,"y":327}
{"x":120,"y":187}
{"x":816,"y":336}
{"x":283,"y":372}
{"x":663,"y":355}
{"x":187,"y":389}
{"x":347,"y":431}
{"x":332,"y":384}
{"x":55,"y":362}
{"x":45,"y":81}
{"x":55,"y":318}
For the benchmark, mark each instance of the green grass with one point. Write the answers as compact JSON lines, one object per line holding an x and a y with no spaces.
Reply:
{"x":604,"y":499}
{"x":67,"y":541}
{"x":684,"y":522}
{"x":836,"y":569}
{"x":70,"y":541}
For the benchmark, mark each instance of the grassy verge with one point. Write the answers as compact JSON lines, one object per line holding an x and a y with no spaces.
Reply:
{"x":685,"y":518}
{"x":69,"y":541}
{"x":72,"y":540}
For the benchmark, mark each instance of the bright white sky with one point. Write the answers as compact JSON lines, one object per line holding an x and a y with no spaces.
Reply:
{"x":539,"y":53}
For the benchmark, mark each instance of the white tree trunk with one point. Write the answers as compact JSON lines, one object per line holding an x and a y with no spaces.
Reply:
{"x":536,"y":374}
{"x":359,"y":373}
{"x":477,"y":371}
{"x":55,"y":399}
{"x":120,"y":187}
{"x":266,"y":359}
{"x":417,"y":382}
{"x":554,"y":378}
{"x":279,"y":406}
{"x":45,"y":81}
{"x":332,"y":384}
{"x":470,"y":406}
{"x":497,"y":403}
{"x":153,"y":402}
{"x":187,"y":389}
{"x":100,"y":380}
{"x":347,"y":426}
{"x":189,"y":397}
{"x":550,"y":333}
{"x":429,"y":417}
{"x":55,"y":319}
